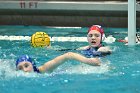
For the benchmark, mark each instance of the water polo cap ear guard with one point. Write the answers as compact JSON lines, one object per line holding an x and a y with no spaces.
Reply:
{"x":98,"y":28}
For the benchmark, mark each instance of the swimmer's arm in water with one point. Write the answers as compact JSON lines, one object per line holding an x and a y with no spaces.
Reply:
{"x":51,"y":65}
{"x":105,"y":50}
{"x":83,"y":48}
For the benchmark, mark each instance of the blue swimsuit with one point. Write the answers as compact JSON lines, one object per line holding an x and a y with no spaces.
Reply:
{"x":36,"y":69}
{"x":91,"y":52}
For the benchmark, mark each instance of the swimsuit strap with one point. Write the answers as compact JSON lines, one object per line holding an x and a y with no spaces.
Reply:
{"x":35,"y":68}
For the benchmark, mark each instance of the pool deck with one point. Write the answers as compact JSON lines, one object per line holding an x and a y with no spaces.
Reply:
{"x":62,"y":13}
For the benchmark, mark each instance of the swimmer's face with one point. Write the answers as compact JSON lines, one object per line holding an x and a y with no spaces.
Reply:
{"x":94,"y":38}
{"x":25,"y":66}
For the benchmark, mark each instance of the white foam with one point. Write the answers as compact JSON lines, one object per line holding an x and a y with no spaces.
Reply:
{"x":110,"y":39}
{"x":8,"y":70}
{"x":84,"y":69}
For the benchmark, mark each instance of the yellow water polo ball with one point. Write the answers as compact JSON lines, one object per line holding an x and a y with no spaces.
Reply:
{"x":40,"y":39}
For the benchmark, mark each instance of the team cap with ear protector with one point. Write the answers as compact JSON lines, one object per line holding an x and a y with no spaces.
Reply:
{"x":97,"y":28}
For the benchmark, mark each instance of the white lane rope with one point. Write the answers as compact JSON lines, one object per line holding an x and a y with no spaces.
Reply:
{"x":12,"y":38}
{"x":109,"y":39}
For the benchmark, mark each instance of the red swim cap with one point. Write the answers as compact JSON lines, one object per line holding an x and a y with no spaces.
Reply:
{"x":96,"y":27}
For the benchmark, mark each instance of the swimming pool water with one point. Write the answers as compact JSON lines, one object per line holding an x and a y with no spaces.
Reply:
{"x":120,"y":72}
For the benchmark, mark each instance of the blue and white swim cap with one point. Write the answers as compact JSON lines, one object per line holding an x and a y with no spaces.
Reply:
{"x":24,"y":58}
{"x":27,"y":59}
